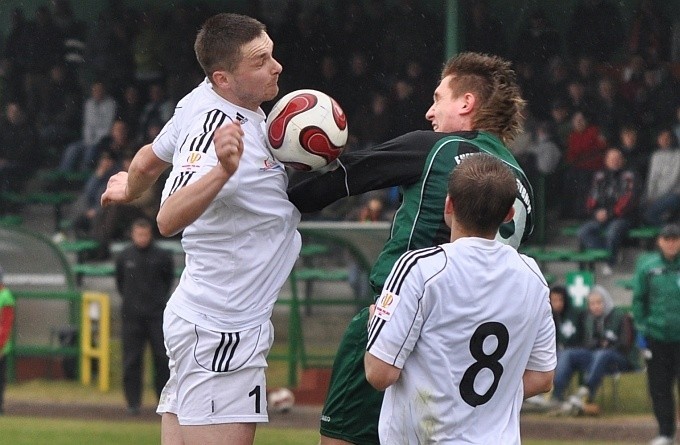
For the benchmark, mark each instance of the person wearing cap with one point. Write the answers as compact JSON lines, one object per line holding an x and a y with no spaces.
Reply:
{"x":6,"y":323}
{"x":656,"y":311}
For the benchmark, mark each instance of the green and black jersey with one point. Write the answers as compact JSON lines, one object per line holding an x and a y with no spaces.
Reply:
{"x":419,"y":163}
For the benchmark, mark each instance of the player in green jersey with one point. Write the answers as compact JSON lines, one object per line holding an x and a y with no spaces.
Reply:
{"x":477,"y":108}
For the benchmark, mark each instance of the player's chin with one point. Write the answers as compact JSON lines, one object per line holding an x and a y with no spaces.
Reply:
{"x":270,"y":92}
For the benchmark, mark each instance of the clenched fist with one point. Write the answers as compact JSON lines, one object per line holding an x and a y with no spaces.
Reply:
{"x":228,"y":141}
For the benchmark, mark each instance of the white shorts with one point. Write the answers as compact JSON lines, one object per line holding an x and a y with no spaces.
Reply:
{"x":215,"y":377}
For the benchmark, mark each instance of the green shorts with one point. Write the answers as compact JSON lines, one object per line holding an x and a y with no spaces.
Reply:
{"x":352,"y":405}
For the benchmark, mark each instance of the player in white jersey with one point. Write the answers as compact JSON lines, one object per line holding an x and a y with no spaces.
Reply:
{"x":462,"y":332}
{"x":227,"y":195}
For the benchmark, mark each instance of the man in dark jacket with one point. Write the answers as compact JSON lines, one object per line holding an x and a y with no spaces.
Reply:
{"x":611,"y":202}
{"x":656,"y":310}
{"x":144,"y":276}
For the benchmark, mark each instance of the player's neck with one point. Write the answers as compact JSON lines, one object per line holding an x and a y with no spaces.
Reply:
{"x":458,"y":232}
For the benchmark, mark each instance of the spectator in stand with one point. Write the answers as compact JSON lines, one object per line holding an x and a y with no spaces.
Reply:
{"x":58,"y":117}
{"x":158,"y":108}
{"x":73,"y":33}
{"x":584,"y":156}
{"x":44,"y":46}
{"x":406,"y":109}
{"x":372,"y":208}
{"x":534,"y":89}
{"x":144,"y":278}
{"x":637,"y":155}
{"x":149,"y":44}
{"x":608,"y":346}
{"x":88,"y":205}
{"x":569,"y":330}
{"x":560,"y":119}
{"x":99,"y":113}
{"x":611,"y":205}
{"x":14,"y":53}
{"x":632,"y":79}
{"x":6,"y":324}
{"x":569,"y":320}
{"x":108,"y":51}
{"x":330,"y":78}
{"x":118,"y":140}
{"x":649,"y":32}
{"x":658,"y":98}
{"x":609,"y":108}
{"x":546,"y":157}
{"x":585,"y":72}
{"x":595,"y":29}
{"x":656,"y":310}
{"x":18,"y":148}
{"x":130,"y":110}
{"x":578,"y":96}
{"x":662,"y":190}
{"x":359,"y":83}
{"x":113,"y":221}
{"x":372,"y":126}
{"x":558,"y":77}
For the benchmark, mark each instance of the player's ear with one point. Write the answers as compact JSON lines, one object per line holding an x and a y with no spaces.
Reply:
{"x":448,"y":211}
{"x":469,"y":101}
{"x":220,"y":79}
{"x":510,"y":215}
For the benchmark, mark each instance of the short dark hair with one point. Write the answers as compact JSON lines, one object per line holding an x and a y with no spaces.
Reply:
{"x":142,"y":223}
{"x":562,"y":290}
{"x":218,"y":43}
{"x":483,"y":189}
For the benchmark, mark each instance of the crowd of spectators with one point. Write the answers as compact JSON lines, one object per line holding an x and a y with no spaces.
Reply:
{"x":588,"y":88}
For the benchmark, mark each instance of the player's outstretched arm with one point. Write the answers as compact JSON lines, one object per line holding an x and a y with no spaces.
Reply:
{"x":144,"y":170}
{"x":537,"y":382}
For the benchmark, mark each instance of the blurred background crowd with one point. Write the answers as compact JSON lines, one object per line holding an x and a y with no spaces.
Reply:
{"x":81,"y":98}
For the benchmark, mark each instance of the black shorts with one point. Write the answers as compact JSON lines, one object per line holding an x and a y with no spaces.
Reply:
{"x":352,"y":406}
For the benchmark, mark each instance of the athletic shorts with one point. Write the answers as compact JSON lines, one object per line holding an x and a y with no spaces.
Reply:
{"x":215,"y":377}
{"x":352,"y":407}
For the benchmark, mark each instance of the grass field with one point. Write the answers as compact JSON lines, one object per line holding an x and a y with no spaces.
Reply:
{"x":633,"y":400}
{"x":28,"y":431}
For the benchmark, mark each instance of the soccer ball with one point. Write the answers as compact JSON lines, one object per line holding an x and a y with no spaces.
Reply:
{"x":306,"y":130}
{"x":280,"y":400}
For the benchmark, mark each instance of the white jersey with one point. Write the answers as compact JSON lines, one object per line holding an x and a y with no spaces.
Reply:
{"x":240,"y":251}
{"x":462,"y":321}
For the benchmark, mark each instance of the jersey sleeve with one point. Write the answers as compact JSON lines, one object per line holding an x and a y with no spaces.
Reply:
{"x":196,"y":155}
{"x":165,"y":143}
{"x":399,"y":313}
{"x":543,"y":356}
{"x":396,"y":162}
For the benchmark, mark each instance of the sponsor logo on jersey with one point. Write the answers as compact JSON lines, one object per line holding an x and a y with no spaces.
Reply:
{"x":524,"y":195}
{"x":241,"y":118}
{"x":271,"y":164}
{"x":462,"y":156}
{"x":192,"y":161}
{"x":387,"y":303}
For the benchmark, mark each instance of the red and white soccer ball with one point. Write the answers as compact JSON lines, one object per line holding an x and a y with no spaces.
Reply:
{"x":280,"y":400}
{"x":306,"y":130}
